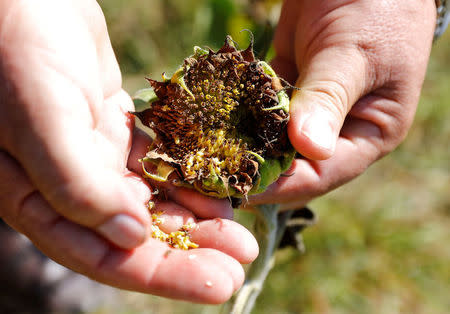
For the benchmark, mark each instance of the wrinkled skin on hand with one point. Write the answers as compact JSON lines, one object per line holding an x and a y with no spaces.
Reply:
{"x":67,"y":178}
{"x":360,"y":65}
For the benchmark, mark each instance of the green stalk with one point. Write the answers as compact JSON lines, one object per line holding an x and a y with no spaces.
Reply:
{"x":269,"y":228}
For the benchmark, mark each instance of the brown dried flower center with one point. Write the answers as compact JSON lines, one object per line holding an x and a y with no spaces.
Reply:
{"x":214,"y":123}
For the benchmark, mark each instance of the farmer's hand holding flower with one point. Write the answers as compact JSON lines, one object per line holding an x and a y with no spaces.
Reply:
{"x":65,"y":138}
{"x":360,"y":65}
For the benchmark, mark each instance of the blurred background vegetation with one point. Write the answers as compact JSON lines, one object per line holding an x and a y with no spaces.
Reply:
{"x":382,"y":242}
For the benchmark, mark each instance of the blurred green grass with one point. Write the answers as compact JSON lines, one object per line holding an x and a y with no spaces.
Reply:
{"x":382,"y":242}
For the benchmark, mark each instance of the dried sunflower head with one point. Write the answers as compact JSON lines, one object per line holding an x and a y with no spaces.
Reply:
{"x":220,"y":123}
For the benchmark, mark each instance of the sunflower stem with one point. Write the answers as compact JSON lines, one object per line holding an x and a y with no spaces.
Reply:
{"x":269,"y":228}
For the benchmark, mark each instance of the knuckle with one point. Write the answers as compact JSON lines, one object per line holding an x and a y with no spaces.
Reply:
{"x":334,"y":96}
{"x":34,"y":212}
{"x":14,"y":186}
{"x":74,"y":201}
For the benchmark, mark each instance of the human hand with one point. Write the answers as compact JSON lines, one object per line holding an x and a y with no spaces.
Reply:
{"x":360,"y":66}
{"x":65,"y":139}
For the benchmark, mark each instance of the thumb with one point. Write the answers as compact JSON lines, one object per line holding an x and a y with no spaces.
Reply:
{"x":331,"y":82}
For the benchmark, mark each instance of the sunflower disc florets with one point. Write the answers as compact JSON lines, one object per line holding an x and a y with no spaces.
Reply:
{"x":220,"y":123}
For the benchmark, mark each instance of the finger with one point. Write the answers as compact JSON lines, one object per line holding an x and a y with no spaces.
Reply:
{"x":284,"y":39}
{"x":109,"y":72}
{"x":286,"y":30}
{"x":173,"y":216}
{"x":332,"y":76}
{"x":202,"y":206}
{"x":61,"y":146}
{"x":226,"y":236}
{"x":14,"y":188}
{"x":285,"y":68}
{"x":80,"y":173}
{"x":221,"y":234}
{"x":17,"y":192}
{"x":202,"y":275}
{"x":206,"y":276}
{"x":359,"y":147}
{"x":331,"y":82}
{"x":199,"y":275}
{"x":139,"y":148}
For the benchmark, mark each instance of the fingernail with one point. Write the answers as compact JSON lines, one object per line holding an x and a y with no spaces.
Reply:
{"x":124,"y":231}
{"x":318,"y":129}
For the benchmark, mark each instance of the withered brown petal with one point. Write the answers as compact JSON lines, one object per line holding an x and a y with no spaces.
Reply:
{"x":248,"y":54}
{"x":227,"y":47}
{"x":145,"y":116}
{"x":153,"y":154}
{"x":158,"y":87}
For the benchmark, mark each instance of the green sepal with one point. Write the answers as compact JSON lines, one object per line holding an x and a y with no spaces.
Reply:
{"x":178,"y":78}
{"x":144,"y":97}
{"x":258,"y":157}
{"x":165,"y":78}
{"x":214,"y":187}
{"x":199,"y":51}
{"x":267,"y":69}
{"x":271,"y":170}
{"x":146,"y":94}
{"x":283,"y":102}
